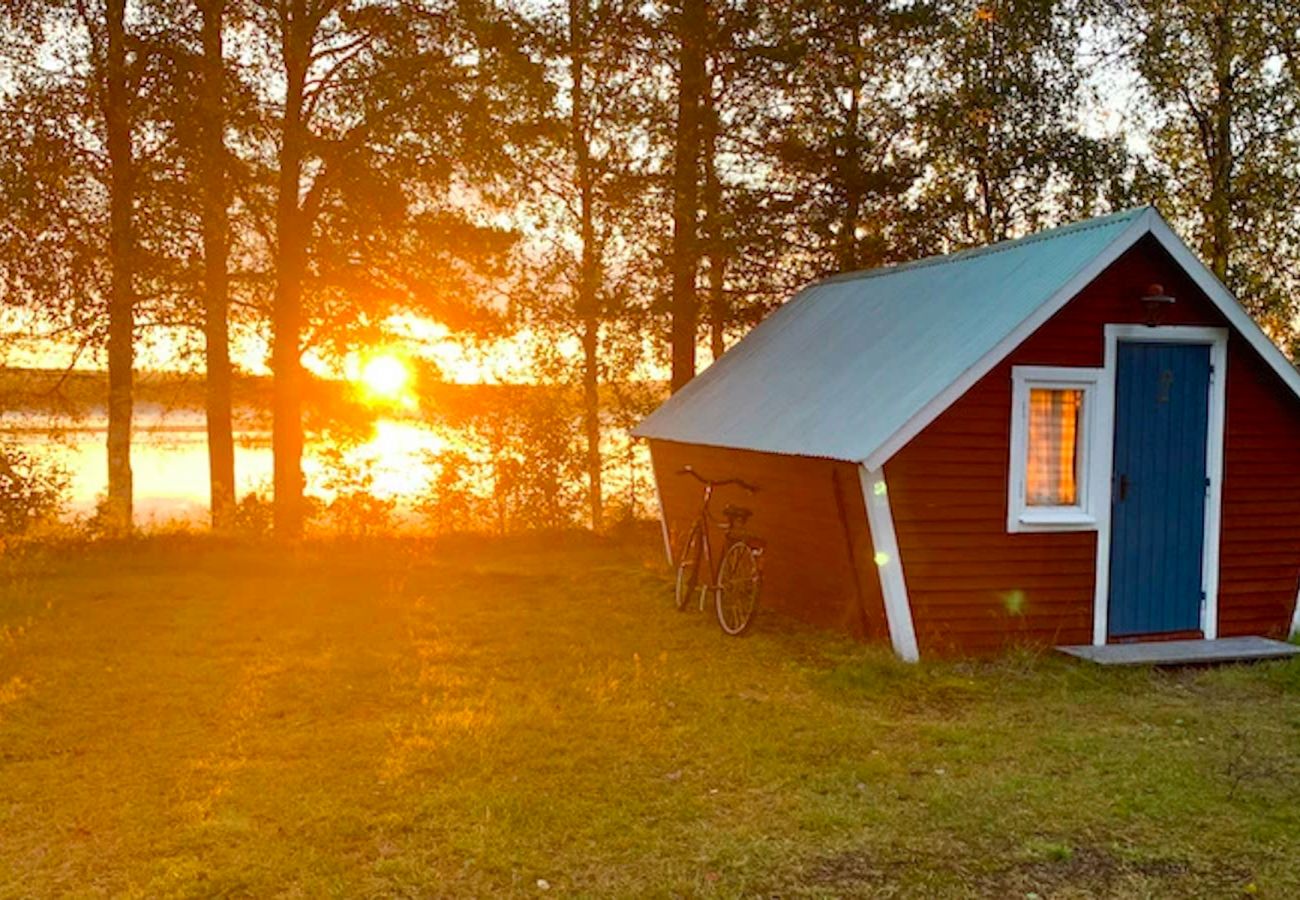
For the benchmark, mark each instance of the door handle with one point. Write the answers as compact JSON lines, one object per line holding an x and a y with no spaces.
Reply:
{"x":1123,"y":488}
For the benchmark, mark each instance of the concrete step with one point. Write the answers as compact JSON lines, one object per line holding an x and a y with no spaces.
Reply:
{"x":1183,"y":653}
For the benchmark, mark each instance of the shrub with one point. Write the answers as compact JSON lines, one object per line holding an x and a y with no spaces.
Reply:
{"x":253,"y":514}
{"x":453,"y":501}
{"x":32,"y":491}
{"x":355,"y":510}
{"x":359,"y":513}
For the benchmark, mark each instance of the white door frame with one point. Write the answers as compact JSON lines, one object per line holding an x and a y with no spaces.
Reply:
{"x":1217,"y":340}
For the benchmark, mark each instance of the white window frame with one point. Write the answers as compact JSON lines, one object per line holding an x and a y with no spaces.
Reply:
{"x":1082,"y":516}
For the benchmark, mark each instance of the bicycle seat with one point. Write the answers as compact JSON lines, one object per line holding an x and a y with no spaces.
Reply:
{"x":737,"y":515}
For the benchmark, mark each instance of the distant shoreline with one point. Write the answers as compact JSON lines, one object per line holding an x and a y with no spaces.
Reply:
{"x":138,"y":429}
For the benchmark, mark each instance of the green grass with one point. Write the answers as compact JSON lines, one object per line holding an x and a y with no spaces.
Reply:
{"x":182,"y":718}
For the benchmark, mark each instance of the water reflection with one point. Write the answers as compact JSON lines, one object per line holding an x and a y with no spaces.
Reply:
{"x":169,"y":460}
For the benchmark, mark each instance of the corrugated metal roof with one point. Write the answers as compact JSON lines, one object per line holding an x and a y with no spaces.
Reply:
{"x":849,"y":362}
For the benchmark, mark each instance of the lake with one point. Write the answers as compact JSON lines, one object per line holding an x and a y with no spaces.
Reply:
{"x":169,"y":460}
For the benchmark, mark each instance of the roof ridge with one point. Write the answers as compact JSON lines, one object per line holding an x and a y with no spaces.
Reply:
{"x":939,"y":259}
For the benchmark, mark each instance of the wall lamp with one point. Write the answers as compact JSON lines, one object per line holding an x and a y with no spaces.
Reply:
{"x":1155,"y":301}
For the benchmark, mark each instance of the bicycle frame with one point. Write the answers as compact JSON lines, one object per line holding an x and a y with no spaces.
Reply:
{"x":735,"y":576}
{"x":705,"y":521}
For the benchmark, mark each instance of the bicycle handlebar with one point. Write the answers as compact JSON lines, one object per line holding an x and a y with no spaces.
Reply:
{"x":688,"y":470}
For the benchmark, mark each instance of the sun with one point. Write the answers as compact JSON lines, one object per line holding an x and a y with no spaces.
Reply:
{"x":384,"y":376}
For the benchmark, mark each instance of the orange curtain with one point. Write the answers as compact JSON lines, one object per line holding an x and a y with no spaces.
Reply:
{"x":1053,"y":465}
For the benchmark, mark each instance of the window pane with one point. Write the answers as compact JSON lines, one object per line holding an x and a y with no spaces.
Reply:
{"x":1053,"y":469}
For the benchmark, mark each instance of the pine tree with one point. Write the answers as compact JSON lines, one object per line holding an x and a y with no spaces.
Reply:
{"x":215,"y":192}
{"x":690,"y":23}
{"x":381,"y":111}
{"x":848,"y":149}
{"x":77,"y":251}
{"x":584,"y":186}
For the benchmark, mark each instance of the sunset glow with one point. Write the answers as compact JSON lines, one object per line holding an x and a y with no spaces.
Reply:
{"x":384,"y":377}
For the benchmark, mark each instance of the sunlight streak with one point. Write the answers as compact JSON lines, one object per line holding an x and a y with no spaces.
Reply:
{"x":384,"y":376}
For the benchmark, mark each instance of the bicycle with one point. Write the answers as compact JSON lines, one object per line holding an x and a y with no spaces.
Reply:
{"x":737,"y":578}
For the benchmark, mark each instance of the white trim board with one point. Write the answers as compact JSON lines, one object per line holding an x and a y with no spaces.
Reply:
{"x":1083,"y":515}
{"x":1227,"y":304}
{"x":663,"y":517}
{"x":1217,"y":340}
{"x":889,"y":563}
{"x":1150,"y":222}
{"x":1295,"y":617}
{"x":1068,"y":291}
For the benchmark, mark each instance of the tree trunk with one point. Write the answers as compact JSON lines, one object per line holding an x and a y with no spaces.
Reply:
{"x":290,"y":269}
{"x":984,"y":183}
{"x":691,"y":26}
{"x":121,"y":301}
{"x":1221,"y":154}
{"x":714,"y":232}
{"x":719,"y":311}
{"x":851,"y":164}
{"x":216,"y":241}
{"x":591,"y":419}
{"x":988,"y":185}
{"x":588,"y":287}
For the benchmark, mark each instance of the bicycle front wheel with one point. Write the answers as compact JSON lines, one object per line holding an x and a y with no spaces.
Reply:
{"x":688,"y":568}
{"x":739,"y":583}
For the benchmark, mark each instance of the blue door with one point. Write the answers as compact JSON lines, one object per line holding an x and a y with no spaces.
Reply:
{"x":1158,"y":487}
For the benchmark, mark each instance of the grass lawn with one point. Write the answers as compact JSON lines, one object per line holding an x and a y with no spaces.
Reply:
{"x":179,"y":717}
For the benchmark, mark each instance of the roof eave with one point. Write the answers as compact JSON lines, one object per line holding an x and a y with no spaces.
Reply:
{"x":1149,"y":222}
{"x":1140,"y":226}
{"x":1152,"y":223}
{"x":1223,"y":298}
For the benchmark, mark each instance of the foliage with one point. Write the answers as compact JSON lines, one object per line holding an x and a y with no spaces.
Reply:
{"x":517,"y":466}
{"x":453,"y":501}
{"x":1223,"y":95}
{"x":358,"y":512}
{"x":525,"y":167}
{"x":253,"y":515}
{"x":400,"y":104}
{"x":31,"y":491}
{"x":998,"y":122}
{"x":353,"y":509}
{"x":847,"y":148}
{"x":532,"y":449}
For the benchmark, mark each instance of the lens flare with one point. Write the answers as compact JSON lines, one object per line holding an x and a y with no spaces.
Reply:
{"x":385,"y":377}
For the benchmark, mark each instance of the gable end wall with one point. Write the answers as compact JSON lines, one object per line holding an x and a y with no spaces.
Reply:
{"x":814,"y":567}
{"x":974,"y":588}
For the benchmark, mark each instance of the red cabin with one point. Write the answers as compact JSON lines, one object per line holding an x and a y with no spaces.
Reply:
{"x":1078,"y":437}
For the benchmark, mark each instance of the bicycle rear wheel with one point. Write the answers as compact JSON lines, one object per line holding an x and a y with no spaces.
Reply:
{"x":739,"y":582}
{"x":688,"y":568}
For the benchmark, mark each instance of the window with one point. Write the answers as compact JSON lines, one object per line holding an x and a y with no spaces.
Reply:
{"x":1053,"y":411}
{"x":1052,"y":474}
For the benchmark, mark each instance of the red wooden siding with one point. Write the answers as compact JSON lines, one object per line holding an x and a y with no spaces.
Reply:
{"x":809,"y":569}
{"x":1260,"y":550}
{"x":975,"y":588}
